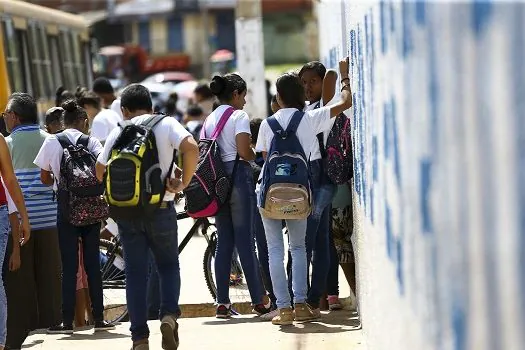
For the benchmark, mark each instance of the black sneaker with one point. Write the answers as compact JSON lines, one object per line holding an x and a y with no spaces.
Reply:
{"x":263,"y":309}
{"x":61,"y":329}
{"x":223,"y":312}
{"x":103,"y":326}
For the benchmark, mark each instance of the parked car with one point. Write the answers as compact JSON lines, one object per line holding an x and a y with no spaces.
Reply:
{"x":169,"y":78}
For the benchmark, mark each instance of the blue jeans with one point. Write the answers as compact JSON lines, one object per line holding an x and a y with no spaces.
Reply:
{"x":68,"y":239}
{"x":262,"y":254}
{"x":235,"y":230}
{"x":274,"y":237}
{"x":153,"y":289}
{"x":4,"y":232}
{"x":158,"y":233}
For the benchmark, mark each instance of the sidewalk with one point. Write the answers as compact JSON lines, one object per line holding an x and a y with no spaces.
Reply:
{"x":336,"y":330}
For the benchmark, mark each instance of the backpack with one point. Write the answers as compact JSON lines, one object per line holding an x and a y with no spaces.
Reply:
{"x":210,"y":187}
{"x":285,"y":190}
{"x":79,"y":191}
{"x":337,"y":156}
{"x":133,"y":180}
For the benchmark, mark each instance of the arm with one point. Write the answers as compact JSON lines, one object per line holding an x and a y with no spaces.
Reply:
{"x":329,"y":82}
{"x":244,"y":147}
{"x":11,"y":183}
{"x":14,"y":260}
{"x":46,"y":177}
{"x":190,"y":157}
{"x":101,"y":169}
{"x":346,"y":92}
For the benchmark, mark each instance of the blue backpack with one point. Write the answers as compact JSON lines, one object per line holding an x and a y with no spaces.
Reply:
{"x":285,"y":190}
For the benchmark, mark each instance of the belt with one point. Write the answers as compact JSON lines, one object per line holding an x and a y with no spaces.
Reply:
{"x":164,"y":204}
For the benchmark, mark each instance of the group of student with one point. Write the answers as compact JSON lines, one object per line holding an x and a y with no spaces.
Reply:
{"x":130,"y":144}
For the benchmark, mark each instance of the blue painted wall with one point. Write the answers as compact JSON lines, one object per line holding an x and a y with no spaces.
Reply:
{"x":439,"y":140}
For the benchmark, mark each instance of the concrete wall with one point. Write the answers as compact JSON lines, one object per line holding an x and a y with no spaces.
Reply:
{"x":439,"y":134}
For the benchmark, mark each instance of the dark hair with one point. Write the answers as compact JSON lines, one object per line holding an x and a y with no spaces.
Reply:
{"x":316,"y":66}
{"x":255,"y":124}
{"x":136,"y":97}
{"x":194,"y":111}
{"x":102,"y":85}
{"x":171,"y":106}
{"x":62,"y":95}
{"x":54,"y":115}
{"x":204,"y":90}
{"x":223,"y":87}
{"x":174,"y":96}
{"x":215,"y":105}
{"x":274,"y":99}
{"x":89,"y":98}
{"x":291,"y":91}
{"x":73,"y":113}
{"x":24,"y":106}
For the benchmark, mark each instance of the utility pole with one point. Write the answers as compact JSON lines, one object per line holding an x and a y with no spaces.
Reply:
{"x":206,"y":39}
{"x":250,"y":55}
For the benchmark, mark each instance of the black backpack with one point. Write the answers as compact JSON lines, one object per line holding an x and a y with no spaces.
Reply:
{"x":134,"y":186}
{"x":79,"y":191}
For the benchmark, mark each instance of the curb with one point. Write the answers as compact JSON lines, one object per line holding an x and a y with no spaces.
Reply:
{"x":208,"y":309}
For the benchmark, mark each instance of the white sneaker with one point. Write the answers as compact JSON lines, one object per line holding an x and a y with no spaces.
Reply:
{"x":270,"y":315}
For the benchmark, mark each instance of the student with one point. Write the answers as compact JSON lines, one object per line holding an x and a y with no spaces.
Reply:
{"x":49,"y":161}
{"x":103,"y":88}
{"x":193,"y":120}
{"x":275,"y":105}
{"x":103,"y":120}
{"x":158,"y":232}
{"x":34,"y":291}
{"x":235,"y":219}
{"x":204,"y":97}
{"x":171,"y":107}
{"x":54,"y":121}
{"x":319,"y":86}
{"x":62,"y":95}
{"x":291,"y":97}
{"x":10,"y":183}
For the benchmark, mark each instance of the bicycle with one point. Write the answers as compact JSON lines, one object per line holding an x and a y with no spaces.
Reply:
{"x":113,"y":275}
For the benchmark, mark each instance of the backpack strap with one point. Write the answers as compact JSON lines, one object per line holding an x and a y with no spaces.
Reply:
{"x":277,"y":129}
{"x":123,"y":123}
{"x":83,"y":140}
{"x":153,"y":120}
{"x":294,"y":122}
{"x":320,"y":141}
{"x":63,"y":139}
{"x":222,"y":122}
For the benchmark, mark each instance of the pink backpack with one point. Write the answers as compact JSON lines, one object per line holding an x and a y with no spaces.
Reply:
{"x":210,"y":187}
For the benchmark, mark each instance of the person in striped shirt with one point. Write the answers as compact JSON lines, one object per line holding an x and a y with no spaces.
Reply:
{"x":34,"y":291}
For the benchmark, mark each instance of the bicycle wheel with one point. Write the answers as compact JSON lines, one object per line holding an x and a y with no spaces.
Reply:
{"x":113,"y":281}
{"x":238,"y":291}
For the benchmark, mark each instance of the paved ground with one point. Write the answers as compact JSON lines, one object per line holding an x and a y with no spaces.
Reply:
{"x":193,"y":287}
{"x":338,"y":330}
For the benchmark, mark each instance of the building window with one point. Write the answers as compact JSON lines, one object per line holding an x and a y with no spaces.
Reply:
{"x":144,"y":39}
{"x":175,"y":37}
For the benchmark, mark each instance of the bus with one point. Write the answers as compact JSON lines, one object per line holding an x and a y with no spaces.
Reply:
{"x":40,"y":50}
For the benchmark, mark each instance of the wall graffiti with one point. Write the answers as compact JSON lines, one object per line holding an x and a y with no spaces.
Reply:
{"x":439,"y":132}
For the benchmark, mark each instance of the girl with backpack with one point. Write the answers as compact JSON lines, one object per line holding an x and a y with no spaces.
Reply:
{"x":59,"y":162}
{"x":235,"y":219}
{"x":303,"y":126}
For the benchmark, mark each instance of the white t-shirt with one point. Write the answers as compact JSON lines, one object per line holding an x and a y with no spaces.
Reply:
{"x":169,"y":134}
{"x":313,"y":122}
{"x":311,"y":107}
{"x":11,"y":207}
{"x":50,"y":154}
{"x":104,"y":122}
{"x":238,"y":123}
{"x":115,"y":107}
